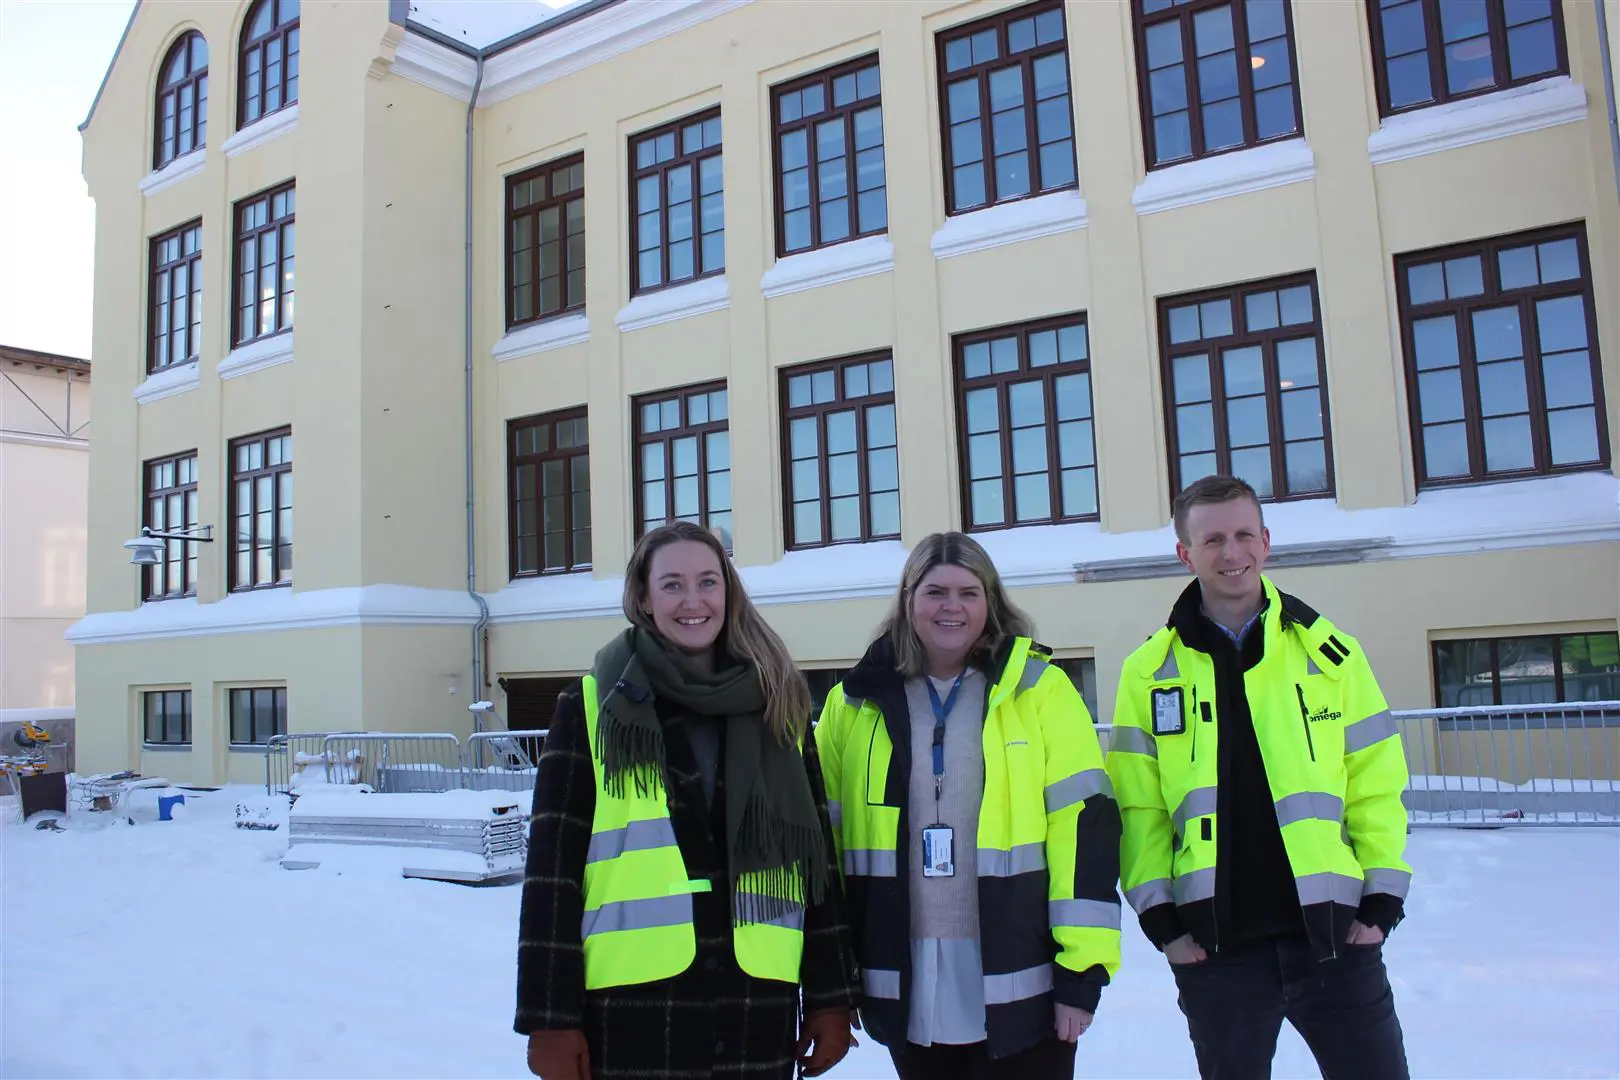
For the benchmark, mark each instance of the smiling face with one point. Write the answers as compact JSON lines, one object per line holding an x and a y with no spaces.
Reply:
{"x":1226,"y":547}
{"x":686,"y":596}
{"x":948,"y":612}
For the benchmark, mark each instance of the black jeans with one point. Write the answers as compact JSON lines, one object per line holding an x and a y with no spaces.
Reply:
{"x":1052,"y":1059}
{"x":1235,"y":1003}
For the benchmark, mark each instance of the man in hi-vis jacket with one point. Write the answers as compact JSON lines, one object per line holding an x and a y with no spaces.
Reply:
{"x":1259,"y":778}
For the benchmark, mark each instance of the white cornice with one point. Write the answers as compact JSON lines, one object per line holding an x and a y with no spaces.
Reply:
{"x":1474,"y":120}
{"x":435,"y":66}
{"x":591,"y":40}
{"x":35,"y":438}
{"x":826,"y":266}
{"x":1010,"y":223}
{"x":168,"y":382}
{"x":543,"y":337}
{"x":262,"y":130}
{"x":175,"y":171}
{"x":258,"y":355}
{"x":1239,"y":172}
{"x":676,"y":302}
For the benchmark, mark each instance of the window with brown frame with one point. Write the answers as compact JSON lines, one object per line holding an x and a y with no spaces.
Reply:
{"x":677,"y":204}
{"x":545,"y":241}
{"x":166,"y":716}
{"x":257,"y":714}
{"x":840,"y":452}
{"x":1427,"y":52}
{"x":261,"y":511}
{"x":1531,"y":670}
{"x":1023,"y":400}
{"x":830,"y":184}
{"x":683,"y":458}
{"x":175,"y":294}
{"x":1502,"y":367}
{"x":182,"y":100}
{"x":1246,"y":389}
{"x":549,"y":494}
{"x":1214,"y":75}
{"x":171,"y":506}
{"x":1082,"y":672}
{"x":1004,"y":103}
{"x":265,"y":264}
{"x":268,"y":67}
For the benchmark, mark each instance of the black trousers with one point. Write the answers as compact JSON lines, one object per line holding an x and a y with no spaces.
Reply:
{"x":1049,"y":1060}
{"x":1235,"y":1003}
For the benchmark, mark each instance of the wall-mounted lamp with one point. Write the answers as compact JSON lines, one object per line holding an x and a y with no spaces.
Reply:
{"x":147,"y":549}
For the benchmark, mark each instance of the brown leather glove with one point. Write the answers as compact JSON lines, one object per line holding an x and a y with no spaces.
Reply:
{"x":828,"y":1031}
{"x":559,"y":1055}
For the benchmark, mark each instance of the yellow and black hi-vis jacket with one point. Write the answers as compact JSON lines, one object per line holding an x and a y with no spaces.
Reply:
{"x":1047,"y":850}
{"x":1332,"y":757}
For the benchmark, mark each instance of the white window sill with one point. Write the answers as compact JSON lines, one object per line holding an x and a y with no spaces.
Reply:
{"x":262,"y":131}
{"x":168,"y":382}
{"x":258,"y":355}
{"x":1224,"y":175}
{"x":1513,"y":111}
{"x":829,"y":265}
{"x":175,"y":171}
{"x":1010,"y":223}
{"x":680,"y":302}
{"x":542,"y":337}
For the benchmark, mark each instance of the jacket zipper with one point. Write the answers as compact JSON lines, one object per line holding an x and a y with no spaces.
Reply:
{"x":1305,"y":719}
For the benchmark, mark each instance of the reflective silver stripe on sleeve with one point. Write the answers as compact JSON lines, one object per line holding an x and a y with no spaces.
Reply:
{"x":881,"y":983}
{"x":1198,"y":885}
{"x":1133,"y":740}
{"x":636,"y":836}
{"x":1199,"y":802}
{"x":1369,"y":732}
{"x":1017,"y":985}
{"x":1082,"y":913}
{"x":869,"y":863}
{"x":1076,"y":789}
{"x":1309,"y":806}
{"x":1329,"y":888}
{"x":1033,"y":670}
{"x":1168,"y":669}
{"x":637,"y":915}
{"x":1022,"y":859}
{"x":1149,"y":894}
{"x":1382,"y":880}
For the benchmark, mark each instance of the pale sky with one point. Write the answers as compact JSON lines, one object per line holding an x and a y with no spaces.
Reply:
{"x":53,"y":54}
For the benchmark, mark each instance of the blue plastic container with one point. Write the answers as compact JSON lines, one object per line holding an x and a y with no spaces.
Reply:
{"x":166,"y":805}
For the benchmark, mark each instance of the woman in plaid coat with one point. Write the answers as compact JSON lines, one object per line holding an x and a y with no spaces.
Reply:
{"x":693,"y":629}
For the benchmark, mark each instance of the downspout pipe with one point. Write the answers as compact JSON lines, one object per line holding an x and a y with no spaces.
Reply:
{"x":482,"y":626}
{"x":1608,"y":88}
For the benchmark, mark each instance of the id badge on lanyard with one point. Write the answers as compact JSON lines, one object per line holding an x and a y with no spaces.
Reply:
{"x":939,"y":839}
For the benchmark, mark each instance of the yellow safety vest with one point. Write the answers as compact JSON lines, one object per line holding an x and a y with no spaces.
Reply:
{"x":638,"y":925}
{"x":1333,"y":759}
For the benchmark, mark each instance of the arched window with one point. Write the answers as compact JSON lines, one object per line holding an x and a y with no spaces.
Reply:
{"x":182,"y":100}
{"x":269,"y":79}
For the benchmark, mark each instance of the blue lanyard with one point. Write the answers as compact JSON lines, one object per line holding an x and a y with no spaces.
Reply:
{"x":941,"y":711}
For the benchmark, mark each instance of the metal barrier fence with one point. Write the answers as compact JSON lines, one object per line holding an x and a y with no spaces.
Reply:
{"x":501,"y":760}
{"x":287,"y":755}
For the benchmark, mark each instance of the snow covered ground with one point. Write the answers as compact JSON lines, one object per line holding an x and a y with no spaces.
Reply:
{"x":183,"y":949}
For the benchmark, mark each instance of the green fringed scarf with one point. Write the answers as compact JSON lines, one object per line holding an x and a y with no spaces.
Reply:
{"x":773,"y":832}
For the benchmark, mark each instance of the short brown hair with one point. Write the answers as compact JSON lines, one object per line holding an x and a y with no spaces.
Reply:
{"x":1212,"y":489}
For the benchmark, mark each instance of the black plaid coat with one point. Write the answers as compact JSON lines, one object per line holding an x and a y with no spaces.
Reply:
{"x":712,"y":1019}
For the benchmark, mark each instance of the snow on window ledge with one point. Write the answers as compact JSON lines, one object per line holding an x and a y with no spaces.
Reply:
{"x":829,"y":265}
{"x":258,"y":355}
{"x":168,"y":382}
{"x":175,"y":171}
{"x":1237,"y":173}
{"x":542,"y":337}
{"x":262,"y":130}
{"x":1513,"y":111}
{"x":1010,"y":223}
{"x":679,"y":302}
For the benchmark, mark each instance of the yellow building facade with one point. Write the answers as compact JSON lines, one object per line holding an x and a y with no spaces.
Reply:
{"x":831,"y":277}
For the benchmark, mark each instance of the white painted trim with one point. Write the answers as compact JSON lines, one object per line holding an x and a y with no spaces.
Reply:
{"x":168,"y":382}
{"x":185,"y":165}
{"x":32,"y":438}
{"x":258,"y":355}
{"x":262,"y":130}
{"x":36,"y":716}
{"x":1237,"y":173}
{"x":438,"y":67}
{"x":1513,"y":111}
{"x":268,"y":610}
{"x":542,"y":337}
{"x":829,"y":265}
{"x":591,"y":40}
{"x":1582,"y":508}
{"x":678,"y":302}
{"x":1010,"y":223}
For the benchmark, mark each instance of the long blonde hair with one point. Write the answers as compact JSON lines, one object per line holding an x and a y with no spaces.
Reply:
{"x":745,"y":636}
{"x":1003,"y":619}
